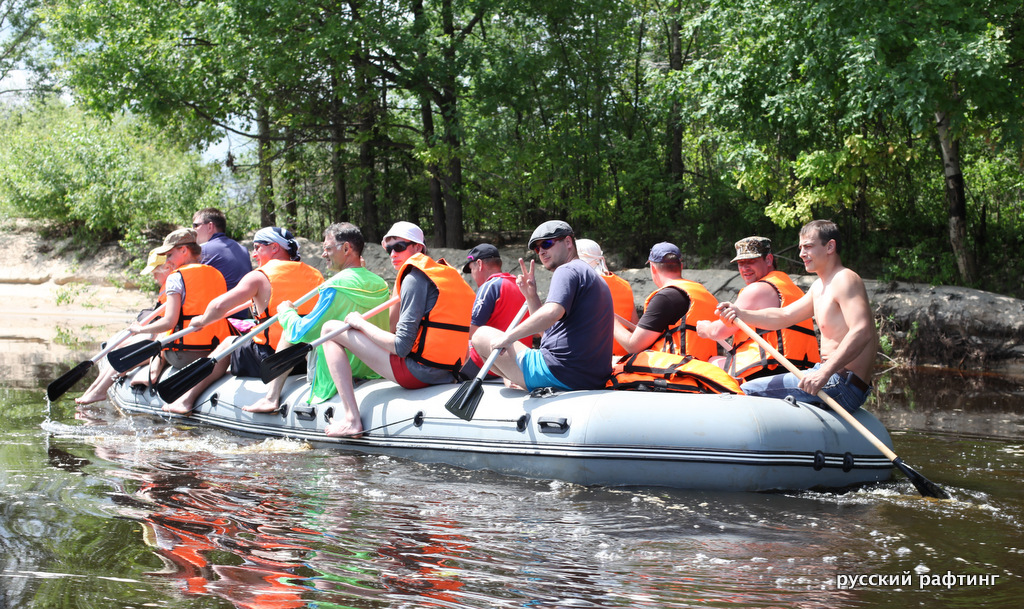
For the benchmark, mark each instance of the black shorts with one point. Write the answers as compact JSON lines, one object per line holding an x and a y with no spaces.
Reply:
{"x":246,"y":360}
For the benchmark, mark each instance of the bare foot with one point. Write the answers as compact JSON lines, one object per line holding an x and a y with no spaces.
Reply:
{"x":264,"y":405}
{"x":179,"y":407}
{"x":509,"y":384}
{"x":90,"y":397}
{"x":344,"y":426}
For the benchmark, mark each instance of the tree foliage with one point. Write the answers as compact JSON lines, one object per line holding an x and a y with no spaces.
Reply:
{"x":637,"y":121}
{"x":107,"y":178}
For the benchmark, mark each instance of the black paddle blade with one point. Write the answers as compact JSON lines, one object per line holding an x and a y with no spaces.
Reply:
{"x":175,"y":386}
{"x":67,"y":380}
{"x":282,"y":362}
{"x":126,"y":358}
{"x":463,"y":404}
{"x":926,"y":487}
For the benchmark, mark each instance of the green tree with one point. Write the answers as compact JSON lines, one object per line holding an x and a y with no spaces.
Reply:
{"x":108,"y":179}
{"x":799,"y":79}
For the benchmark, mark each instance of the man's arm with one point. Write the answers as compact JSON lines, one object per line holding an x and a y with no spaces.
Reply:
{"x":773,"y":318}
{"x":539,"y":321}
{"x":756,"y":296}
{"x":247,"y":289}
{"x":636,"y":340}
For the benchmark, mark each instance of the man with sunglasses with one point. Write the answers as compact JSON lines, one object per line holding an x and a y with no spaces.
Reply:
{"x":220,"y":251}
{"x":280,"y":276}
{"x":430,"y":328}
{"x":576,"y":320}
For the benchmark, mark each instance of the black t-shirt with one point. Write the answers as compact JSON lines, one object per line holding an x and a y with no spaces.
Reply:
{"x":665,"y":308}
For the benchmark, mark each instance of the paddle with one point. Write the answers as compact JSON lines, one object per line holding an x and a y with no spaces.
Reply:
{"x":173,"y":387}
{"x":67,"y":380}
{"x":283,"y":361}
{"x":463,"y":404}
{"x":126,"y":358}
{"x":926,"y":487}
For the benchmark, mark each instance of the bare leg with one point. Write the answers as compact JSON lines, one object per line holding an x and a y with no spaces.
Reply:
{"x":272,"y":401}
{"x":97,"y":391}
{"x":187,"y":402}
{"x":505,"y":364}
{"x":336,"y":352}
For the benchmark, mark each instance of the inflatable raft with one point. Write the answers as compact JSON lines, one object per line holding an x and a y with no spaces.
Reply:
{"x":608,"y":438}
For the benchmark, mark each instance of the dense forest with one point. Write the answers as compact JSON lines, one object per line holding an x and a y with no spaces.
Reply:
{"x":635,"y":120}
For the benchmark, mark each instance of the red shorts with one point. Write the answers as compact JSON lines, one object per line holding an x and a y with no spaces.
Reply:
{"x":402,"y":375}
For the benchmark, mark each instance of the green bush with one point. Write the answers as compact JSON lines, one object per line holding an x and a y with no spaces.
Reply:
{"x":99,"y":179}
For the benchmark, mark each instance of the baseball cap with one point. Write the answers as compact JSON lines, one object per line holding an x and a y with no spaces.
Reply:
{"x":752,"y":247}
{"x":664,"y":251}
{"x":552,"y":229}
{"x":153,"y":261}
{"x":182,"y":236}
{"x":480,"y":252}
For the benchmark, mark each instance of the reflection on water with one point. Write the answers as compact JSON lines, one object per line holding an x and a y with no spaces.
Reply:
{"x":103,"y":510}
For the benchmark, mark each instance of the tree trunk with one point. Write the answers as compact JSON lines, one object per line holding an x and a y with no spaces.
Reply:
{"x":338,"y":182}
{"x":265,"y":189}
{"x":956,"y":201}
{"x":674,"y":123}
{"x":452,"y":181}
{"x":367,"y":126}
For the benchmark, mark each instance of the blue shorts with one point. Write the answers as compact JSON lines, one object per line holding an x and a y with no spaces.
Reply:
{"x":779,"y":386}
{"x":535,"y":370}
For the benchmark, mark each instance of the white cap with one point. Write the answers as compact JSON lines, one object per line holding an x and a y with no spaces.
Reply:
{"x":404,"y":230}
{"x":590,"y":252}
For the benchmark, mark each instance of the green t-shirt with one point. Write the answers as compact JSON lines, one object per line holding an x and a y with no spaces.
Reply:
{"x":355,"y":289}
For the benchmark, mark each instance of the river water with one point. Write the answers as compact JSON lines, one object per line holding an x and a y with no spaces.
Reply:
{"x":100,"y":509}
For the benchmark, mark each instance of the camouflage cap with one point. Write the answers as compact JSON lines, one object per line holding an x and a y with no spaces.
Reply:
{"x":752,"y":247}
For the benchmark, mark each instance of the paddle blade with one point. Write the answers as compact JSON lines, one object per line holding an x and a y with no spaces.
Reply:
{"x":926,"y":487}
{"x":173,"y":387}
{"x":126,"y":358}
{"x":463,"y":404}
{"x":67,"y":380}
{"x":283,"y":361}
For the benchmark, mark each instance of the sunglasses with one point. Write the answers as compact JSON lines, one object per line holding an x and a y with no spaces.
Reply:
{"x":398,"y":246}
{"x":545,"y":244}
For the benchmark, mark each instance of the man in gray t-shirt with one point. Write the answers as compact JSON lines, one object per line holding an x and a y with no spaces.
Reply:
{"x":576,"y":319}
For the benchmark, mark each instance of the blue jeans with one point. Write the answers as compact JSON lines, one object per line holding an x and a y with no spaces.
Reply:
{"x":779,"y":386}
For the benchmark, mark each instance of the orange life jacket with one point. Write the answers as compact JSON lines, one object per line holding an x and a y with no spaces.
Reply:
{"x":441,"y":339}
{"x":660,"y":371}
{"x":680,"y":338}
{"x":797,"y":342}
{"x":289,"y":280}
{"x":622,"y":303}
{"x":203,"y":283}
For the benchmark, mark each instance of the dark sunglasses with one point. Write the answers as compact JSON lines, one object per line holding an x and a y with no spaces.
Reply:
{"x":398,"y":246}
{"x":545,"y":244}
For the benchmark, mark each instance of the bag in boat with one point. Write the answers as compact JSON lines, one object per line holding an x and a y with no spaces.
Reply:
{"x":659,"y":371}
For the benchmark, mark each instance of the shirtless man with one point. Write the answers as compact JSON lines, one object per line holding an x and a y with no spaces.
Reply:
{"x":839,"y":303}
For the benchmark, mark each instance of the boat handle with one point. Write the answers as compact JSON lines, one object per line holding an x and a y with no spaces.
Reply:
{"x":553,"y":424}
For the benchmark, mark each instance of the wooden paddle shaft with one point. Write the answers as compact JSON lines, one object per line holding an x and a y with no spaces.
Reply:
{"x":821,"y":394}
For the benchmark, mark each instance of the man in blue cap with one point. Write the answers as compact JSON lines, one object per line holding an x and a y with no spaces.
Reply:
{"x":672,"y":311}
{"x":498,"y":299}
{"x":576,"y":320}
